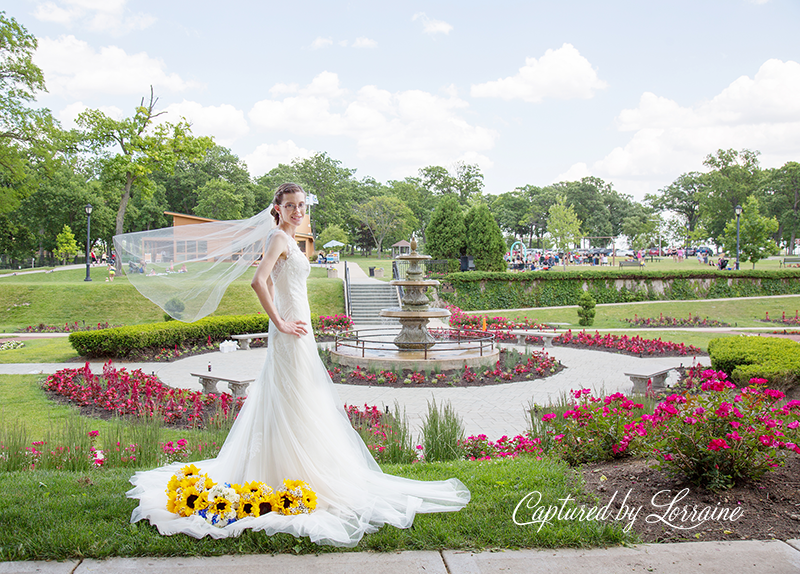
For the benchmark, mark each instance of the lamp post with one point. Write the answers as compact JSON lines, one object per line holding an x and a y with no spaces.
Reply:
{"x":738,"y":210}
{"x":88,"y":241}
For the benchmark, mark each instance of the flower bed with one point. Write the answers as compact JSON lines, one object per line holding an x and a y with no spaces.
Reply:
{"x":666,"y":321}
{"x":123,"y":393}
{"x":66,"y":328}
{"x":784,"y":320}
{"x":513,"y":366}
{"x":11,"y":345}
{"x":636,"y":345}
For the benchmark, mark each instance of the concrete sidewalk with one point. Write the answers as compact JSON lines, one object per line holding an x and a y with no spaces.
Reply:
{"x":493,"y":410}
{"x":742,"y":557}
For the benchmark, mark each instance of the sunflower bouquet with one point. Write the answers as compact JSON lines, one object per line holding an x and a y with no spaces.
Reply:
{"x":189,"y":492}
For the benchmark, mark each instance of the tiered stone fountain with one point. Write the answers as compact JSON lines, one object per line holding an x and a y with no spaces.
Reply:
{"x":415,"y":312}
{"x":414,"y":347}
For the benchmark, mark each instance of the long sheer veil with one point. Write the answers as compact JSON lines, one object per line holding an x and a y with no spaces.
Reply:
{"x":186,"y":269}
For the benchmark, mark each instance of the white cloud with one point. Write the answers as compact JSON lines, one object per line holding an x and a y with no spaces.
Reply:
{"x":74,"y":68}
{"x":760,"y":113}
{"x":410,"y":129}
{"x":225,"y":123}
{"x":365,"y":43}
{"x":267,"y":156}
{"x":321,"y":42}
{"x":560,"y":74}
{"x":430,"y":26}
{"x":108,"y":16}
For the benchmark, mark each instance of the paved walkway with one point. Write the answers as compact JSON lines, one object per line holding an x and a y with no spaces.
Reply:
{"x":494,"y":410}
{"x":742,"y":557}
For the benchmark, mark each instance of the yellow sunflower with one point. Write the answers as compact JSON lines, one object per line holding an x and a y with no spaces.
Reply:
{"x":190,"y":470}
{"x":192,"y":501}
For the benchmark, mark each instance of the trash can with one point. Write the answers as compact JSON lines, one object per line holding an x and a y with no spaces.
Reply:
{"x":379,"y":273}
{"x":467,"y":263}
{"x":333,"y":273}
{"x":372,"y":272}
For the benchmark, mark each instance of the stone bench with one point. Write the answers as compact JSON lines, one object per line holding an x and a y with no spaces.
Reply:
{"x":244,"y":340}
{"x":521,"y":335}
{"x":630,"y":263}
{"x":659,"y":380}
{"x":788,"y":261}
{"x":238,"y":388}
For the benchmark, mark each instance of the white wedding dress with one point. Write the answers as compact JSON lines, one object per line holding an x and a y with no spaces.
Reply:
{"x":293,"y":426}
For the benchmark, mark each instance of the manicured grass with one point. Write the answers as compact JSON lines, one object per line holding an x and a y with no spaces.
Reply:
{"x":736,"y":312}
{"x":63,"y":297}
{"x":54,"y":350}
{"x":58,"y":515}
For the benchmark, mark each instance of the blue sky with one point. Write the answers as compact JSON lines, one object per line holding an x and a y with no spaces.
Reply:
{"x":633,"y":92}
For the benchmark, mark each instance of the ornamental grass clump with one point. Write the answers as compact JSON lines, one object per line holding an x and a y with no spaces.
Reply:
{"x":591,"y":429}
{"x":442,"y":431}
{"x":724,"y":435}
{"x":386,"y":435}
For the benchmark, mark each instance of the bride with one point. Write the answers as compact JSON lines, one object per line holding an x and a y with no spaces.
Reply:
{"x":293,"y":426}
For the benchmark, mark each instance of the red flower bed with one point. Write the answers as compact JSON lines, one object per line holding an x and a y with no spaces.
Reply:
{"x":625,"y":344}
{"x":123,"y":393}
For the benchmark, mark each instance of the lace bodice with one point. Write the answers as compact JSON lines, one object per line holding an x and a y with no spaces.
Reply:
{"x":289,"y":280}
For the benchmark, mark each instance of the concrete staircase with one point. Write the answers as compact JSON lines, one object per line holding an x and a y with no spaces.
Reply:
{"x":368,"y":298}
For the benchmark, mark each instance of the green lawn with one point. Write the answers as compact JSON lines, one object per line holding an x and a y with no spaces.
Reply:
{"x":736,"y":312}
{"x":57,"y":515}
{"x":64,"y":297}
{"x":55,"y":350}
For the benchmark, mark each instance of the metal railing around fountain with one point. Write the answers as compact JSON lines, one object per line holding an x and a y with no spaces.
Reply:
{"x":446,"y":340}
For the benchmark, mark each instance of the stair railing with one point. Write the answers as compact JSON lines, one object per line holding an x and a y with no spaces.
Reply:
{"x":347,"y":310}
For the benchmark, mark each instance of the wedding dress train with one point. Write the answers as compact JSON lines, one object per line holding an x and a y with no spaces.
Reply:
{"x":293,"y":426}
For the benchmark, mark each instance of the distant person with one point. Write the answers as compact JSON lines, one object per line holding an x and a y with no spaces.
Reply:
{"x":111,"y":273}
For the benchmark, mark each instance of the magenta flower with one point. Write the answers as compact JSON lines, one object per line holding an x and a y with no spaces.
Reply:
{"x":718,"y":444}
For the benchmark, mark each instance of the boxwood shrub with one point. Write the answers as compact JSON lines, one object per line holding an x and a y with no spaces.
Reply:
{"x":480,"y":290}
{"x":121,"y":342}
{"x":743,"y":358}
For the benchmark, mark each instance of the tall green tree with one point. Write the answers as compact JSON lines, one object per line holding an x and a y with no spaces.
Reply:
{"x":539,"y":199}
{"x":445,"y":236}
{"x":511,"y":210}
{"x":641,"y":226}
{"x":419,"y":199}
{"x":332,"y":233}
{"x":217,"y":163}
{"x":484,"y":239}
{"x":466,"y":182}
{"x":133,"y":148}
{"x":383,"y":216}
{"x":218,"y":199}
{"x":683,"y":198}
{"x":66,"y":246}
{"x":563,"y":225}
{"x":27,"y":135}
{"x":783,"y":202}
{"x":755,"y":234}
{"x":734,"y":176}
{"x":600,"y":208}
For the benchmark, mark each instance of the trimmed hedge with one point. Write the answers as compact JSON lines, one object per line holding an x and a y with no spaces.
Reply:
{"x":743,"y":358}
{"x":479,"y":290}
{"x":120,"y":342}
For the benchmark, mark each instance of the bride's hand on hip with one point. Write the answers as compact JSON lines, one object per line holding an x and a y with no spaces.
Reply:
{"x":296,"y":328}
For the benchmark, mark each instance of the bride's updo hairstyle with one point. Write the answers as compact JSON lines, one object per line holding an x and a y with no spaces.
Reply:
{"x":278,"y":200}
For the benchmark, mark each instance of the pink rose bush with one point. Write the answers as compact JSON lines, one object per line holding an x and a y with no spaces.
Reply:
{"x":717,"y":434}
